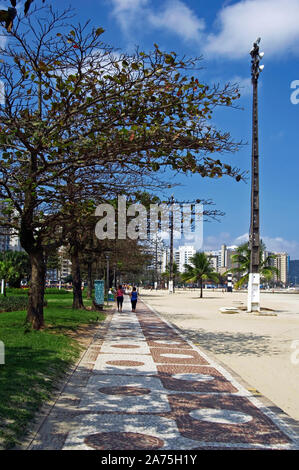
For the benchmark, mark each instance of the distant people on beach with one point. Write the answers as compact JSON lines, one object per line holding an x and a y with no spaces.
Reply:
{"x":134,"y":297}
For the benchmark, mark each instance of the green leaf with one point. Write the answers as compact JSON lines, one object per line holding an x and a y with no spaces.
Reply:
{"x":99,"y":31}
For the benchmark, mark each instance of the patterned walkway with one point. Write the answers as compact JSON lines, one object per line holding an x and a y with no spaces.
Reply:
{"x":143,"y":386}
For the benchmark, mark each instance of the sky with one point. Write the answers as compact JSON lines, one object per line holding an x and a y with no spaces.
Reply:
{"x":222,"y":32}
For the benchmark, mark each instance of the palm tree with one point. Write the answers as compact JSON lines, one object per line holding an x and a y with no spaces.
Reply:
{"x":200,"y":269}
{"x":242,"y":259}
{"x":175,"y":272}
{"x":14,"y":266}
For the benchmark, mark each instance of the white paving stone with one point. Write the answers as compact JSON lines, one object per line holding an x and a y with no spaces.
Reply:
{"x":223,"y":416}
{"x":177,"y":356}
{"x":161,"y":428}
{"x":97,"y":396}
{"x":138,"y":347}
{"x":146,"y":366}
{"x":194,"y":377}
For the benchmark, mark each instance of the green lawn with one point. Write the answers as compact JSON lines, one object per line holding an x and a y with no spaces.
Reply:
{"x":35,"y":360}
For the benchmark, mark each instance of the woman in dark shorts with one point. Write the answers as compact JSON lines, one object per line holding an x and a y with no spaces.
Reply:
{"x":120,"y":298}
{"x":134,"y":296}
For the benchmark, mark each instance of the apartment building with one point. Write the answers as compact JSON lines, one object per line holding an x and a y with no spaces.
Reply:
{"x":182,"y":256}
{"x":282,"y":262}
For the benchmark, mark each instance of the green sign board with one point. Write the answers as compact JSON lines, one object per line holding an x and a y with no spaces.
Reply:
{"x":99,"y":292}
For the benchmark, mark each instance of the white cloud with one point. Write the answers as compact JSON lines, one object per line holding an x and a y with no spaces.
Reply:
{"x":281,"y":245}
{"x":275,"y":244}
{"x":174,"y":16}
{"x":177,"y":18}
{"x":244,"y":84}
{"x":239,"y":25}
{"x":212,"y":242}
{"x":241,"y":239}
{"x":128,"y":12}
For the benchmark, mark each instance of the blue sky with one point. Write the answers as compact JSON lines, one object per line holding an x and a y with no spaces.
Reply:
{"x":223,"y":32}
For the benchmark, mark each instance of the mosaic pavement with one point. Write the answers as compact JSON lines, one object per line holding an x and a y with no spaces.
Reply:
{"x":143,"y":386}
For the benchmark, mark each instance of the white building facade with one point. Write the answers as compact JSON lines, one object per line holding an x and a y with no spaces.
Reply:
{"x":182,"y":256}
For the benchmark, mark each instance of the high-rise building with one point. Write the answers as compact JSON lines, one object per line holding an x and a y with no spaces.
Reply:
{"x":281,"y":262}
{"x":294,"y":272}
{"x":65,"y":265}
{"x":9,"y":238}
{"x":223,"y":256}
{"x":215,"y":259}
{"x":4,"y":241}
{"x":14,"y":243}
{"x":182,"y":256}
{"x":4,"y":232}
{"x":221,"y":259}
{"x":165,"y":260}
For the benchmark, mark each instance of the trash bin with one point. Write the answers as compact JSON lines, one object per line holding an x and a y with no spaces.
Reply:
{"x":110,"y":296}
{"x":99,"y":294}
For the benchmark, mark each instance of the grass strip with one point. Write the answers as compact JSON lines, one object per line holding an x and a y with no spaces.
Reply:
{"x":35,"y":361}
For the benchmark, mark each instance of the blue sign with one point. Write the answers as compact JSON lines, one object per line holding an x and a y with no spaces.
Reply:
{"x":99,"y":292}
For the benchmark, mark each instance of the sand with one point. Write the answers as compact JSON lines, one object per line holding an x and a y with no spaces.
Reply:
{"x":262,"y":350}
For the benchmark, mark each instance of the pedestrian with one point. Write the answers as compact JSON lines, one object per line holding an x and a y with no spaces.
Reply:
{"x":134,"y":296}
{"x":120,"y":298}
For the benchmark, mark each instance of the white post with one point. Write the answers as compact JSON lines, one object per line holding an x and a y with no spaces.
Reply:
{"x":253,"y":293}
{"x":2,"y":353}
{"x":2,"y":286}
{"x":170,"y":287}
{"x":229,"y":282}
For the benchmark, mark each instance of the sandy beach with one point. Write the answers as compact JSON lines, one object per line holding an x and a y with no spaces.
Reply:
{"x":260,"y":349}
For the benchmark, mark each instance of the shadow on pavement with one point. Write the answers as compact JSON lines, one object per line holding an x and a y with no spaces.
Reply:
{"x":242,"y":344}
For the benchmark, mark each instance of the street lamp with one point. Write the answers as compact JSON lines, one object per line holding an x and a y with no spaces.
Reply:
{"x":253,"y":304}
{"x":170,"y":282}
{"x":172,"y":201}
{"x":107,"y":256}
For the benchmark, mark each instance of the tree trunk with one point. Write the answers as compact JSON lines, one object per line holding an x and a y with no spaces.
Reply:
{"x":77,"y":282}
{"x":200,"y":282}
{"x":89,"y":280}
{"x":35,"y":311}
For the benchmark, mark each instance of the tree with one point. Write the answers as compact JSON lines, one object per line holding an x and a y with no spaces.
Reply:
{"x":72,"y":104}
{"x":82,"y":191}
{"x":242,"y":259}
{"x":200,"y":269}
{"x":175,"y":271}
{"x":15,"y":266}
{"x":7,"y":272}
{"x":7,"y":16}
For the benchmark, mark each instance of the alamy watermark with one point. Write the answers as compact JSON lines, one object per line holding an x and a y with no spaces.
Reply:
{"x":2,"y":93}
{"x":136,"y":222}
{"x":295,"y":354}
{"x":295,"y":94}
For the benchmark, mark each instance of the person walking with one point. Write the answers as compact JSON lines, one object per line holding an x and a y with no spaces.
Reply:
{"x":134,"y":296}
{"x":120,"y":298}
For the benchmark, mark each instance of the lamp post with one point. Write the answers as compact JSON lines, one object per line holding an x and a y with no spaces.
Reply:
{"x":253,"y":304}
{"x":172,"y":201}
{"x":170,"y":282}
{"x":114,"y":276}
{"x":107,"y":255}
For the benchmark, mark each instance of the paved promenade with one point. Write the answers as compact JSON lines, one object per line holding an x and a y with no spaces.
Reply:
{"x":142,"y":386}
